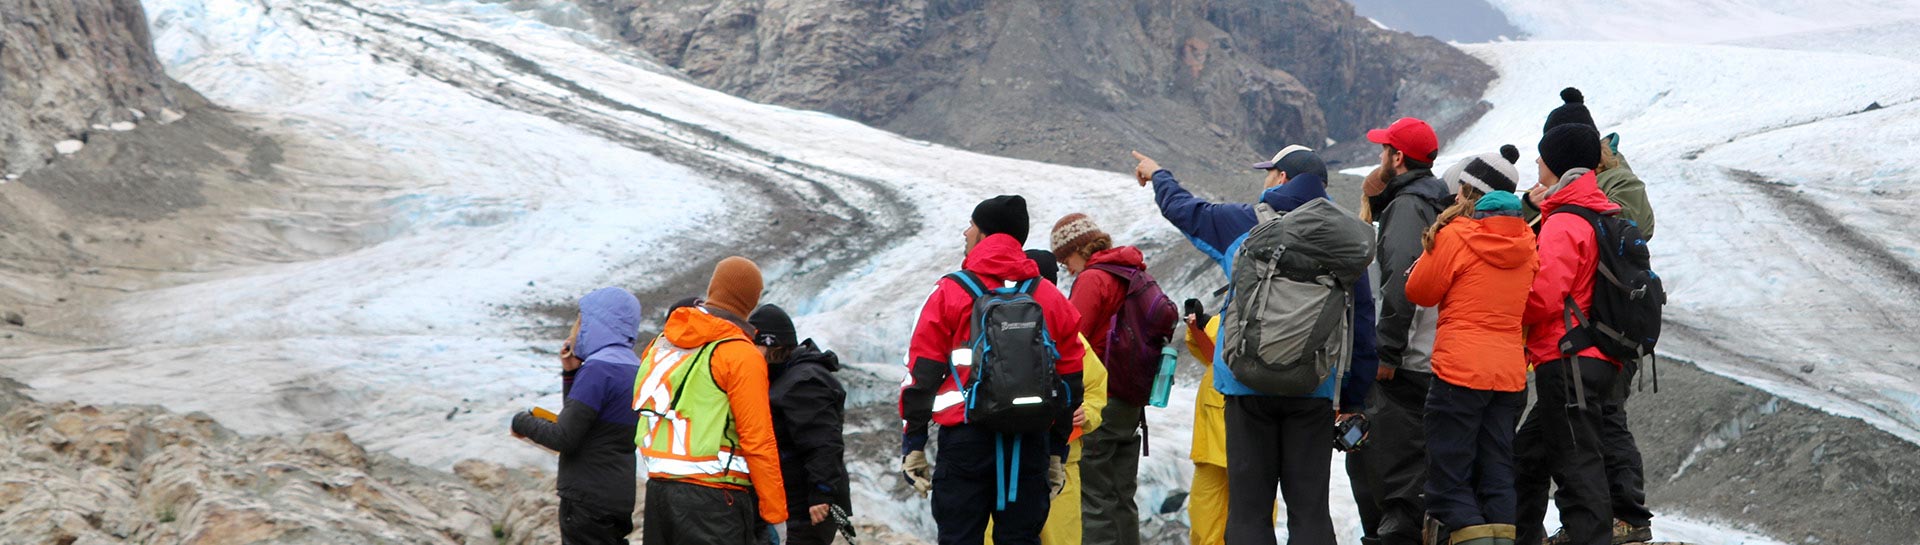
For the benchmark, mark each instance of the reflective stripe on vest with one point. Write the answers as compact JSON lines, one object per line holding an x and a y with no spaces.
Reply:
{"x":721,"y":465}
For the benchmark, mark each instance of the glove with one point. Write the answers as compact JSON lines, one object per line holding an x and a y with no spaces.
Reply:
{"x":780,"y":534}
{"x":1056,"y":476}
{"x":919,"y":473}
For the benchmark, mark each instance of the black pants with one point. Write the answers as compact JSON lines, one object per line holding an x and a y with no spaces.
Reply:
{"x":1285,"y":442}
{"x":689,"y":514}
{"x":1470,"y":455}
{"x":1109,"y":474}
{"x":1560,"y":443}
{"x":965,"y":494}
{"x":802,"y":531}
{"x":1361,"y":479}
{"x":1398,"y":456}
{"x":583,"y":523}
{"x":1626,"y":477}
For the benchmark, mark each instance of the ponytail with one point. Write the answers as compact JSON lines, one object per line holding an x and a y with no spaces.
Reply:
{"x":1461,"y":207}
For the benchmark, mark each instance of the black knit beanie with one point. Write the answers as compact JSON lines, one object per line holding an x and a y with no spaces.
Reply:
{"x":774,"y":327}
{"x":1573,"y":111}
{"x":1005,"y":214}
{"x":1570,"y":146}
{"x":1049,"y":265}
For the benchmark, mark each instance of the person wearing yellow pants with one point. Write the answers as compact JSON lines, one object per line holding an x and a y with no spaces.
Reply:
{"x":1207,"y":501}
{"x":1063,"y":517}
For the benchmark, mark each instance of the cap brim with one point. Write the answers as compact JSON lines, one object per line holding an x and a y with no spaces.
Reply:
{"x":1379,"y":136}
{"x":1263,"y":166}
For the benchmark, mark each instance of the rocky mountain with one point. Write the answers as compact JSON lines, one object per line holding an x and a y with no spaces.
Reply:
{"x":72,"y":68}
{"x":1204,"y":84}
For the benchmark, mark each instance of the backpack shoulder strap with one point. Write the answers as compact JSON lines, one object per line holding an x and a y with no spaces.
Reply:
{"x":705,"y":355}
{"x":1589,"y":214}
{"x":970,"y":282}
{"x":1128,"y":276}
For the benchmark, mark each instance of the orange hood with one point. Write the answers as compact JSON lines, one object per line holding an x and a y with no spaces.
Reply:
{"x":1503,"y":241}
{"x":692,"y":327}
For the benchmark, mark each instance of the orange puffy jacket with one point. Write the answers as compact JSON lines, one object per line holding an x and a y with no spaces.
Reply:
{"x":1478,"y":273}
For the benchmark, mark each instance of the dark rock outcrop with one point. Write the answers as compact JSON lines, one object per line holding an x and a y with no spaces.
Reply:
{"x":1204,"y":85}
{"x":69,"y":66}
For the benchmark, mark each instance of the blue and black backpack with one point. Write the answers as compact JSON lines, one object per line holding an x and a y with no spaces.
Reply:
{"x":1627,"y":295}
{"x":1013,"y":387}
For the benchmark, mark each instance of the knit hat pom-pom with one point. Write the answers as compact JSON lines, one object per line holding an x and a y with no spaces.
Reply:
{"x":1510,"y":153}
{"x":1572,"y":96}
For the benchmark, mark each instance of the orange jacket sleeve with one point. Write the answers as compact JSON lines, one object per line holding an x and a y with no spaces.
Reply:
{"x":1433,"y":272}
{"x":742,"y":373}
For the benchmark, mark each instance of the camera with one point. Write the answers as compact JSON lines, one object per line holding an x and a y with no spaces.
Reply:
{"x":1350,"y":434}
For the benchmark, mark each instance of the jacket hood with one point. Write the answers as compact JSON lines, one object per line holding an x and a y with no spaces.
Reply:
{"x":1583,"y":191}
{"x":1000,"y":257}
{"x":1297,"y":191}
{"x":609,"y":322}
{"x":810,"y":354}
{"x":695,"y":326}
{"x":1124,"y":256}
{"x":1503,"y":241}
{"x":1419,"y":183}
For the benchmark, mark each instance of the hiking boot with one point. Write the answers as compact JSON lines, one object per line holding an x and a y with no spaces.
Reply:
{"x":1485,"y":534}
{"x":1624,"y":533}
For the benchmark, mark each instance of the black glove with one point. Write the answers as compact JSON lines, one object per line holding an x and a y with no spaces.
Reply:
{"x":1197,"y":311}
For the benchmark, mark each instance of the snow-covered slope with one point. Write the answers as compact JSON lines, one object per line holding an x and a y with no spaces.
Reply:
{"x":1694,"y":21}
{"x":495,"y":162}
{"x":1750,"y":178}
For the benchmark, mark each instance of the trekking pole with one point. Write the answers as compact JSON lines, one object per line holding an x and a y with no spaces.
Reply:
{"x":845,"y":521}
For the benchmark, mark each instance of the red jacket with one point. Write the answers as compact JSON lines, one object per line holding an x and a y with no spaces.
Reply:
{"x":1098,"y":294}
{"x":929,"y":393}
{"x":1568,"y":258}
{"x":1473,"y":273}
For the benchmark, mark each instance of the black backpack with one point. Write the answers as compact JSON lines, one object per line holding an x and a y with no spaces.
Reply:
{"x":1627,"y":295}
{"x":1014,"y":387}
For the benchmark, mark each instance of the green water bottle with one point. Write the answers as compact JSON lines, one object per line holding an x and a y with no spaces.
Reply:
{"x":1163,"y":380}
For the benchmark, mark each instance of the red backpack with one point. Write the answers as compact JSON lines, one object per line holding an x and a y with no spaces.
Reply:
{"x":1142,"y":327}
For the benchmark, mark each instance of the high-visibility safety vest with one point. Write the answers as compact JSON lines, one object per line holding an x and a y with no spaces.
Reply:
{"x":686,"y":430}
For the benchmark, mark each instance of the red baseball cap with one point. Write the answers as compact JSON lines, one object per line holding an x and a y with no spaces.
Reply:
{"x":1409,"y":135}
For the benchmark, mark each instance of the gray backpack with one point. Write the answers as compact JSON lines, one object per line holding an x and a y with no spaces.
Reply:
{"x":1289,"y":324}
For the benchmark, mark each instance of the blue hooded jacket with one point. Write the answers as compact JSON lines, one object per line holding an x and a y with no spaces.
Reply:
{"x":594,"y":430}
{"x":609,"y":322}
{"x":1218,"y":230}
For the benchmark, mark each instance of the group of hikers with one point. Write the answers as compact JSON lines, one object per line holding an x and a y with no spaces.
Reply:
{"x":1407,"y":334}
{"x":1403,"y":334}
{"x":739,"y":422}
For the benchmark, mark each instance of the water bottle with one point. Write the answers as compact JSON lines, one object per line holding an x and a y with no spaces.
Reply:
{"x":1163,"y":380}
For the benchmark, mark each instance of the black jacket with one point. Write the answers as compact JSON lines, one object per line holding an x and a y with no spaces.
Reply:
{"x":809,"y":407}
{"x":1411,"y":203}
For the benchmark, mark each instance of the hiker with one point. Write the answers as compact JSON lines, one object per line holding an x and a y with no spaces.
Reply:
{"x":1207,"y":497}
{"x":1626,"y":476}
{"x":1129,"y":321}
{"x":808,"y":419}
{"x":594,"y":430}
{"x":713,"y":464}
{"x":1271,"y":440}
{"x":1064,"y":521}
{"x":1476,"y":256}
{"x":1560,"y":438}
{"x":1003,"y":438}
{"x":1407,"y":200}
